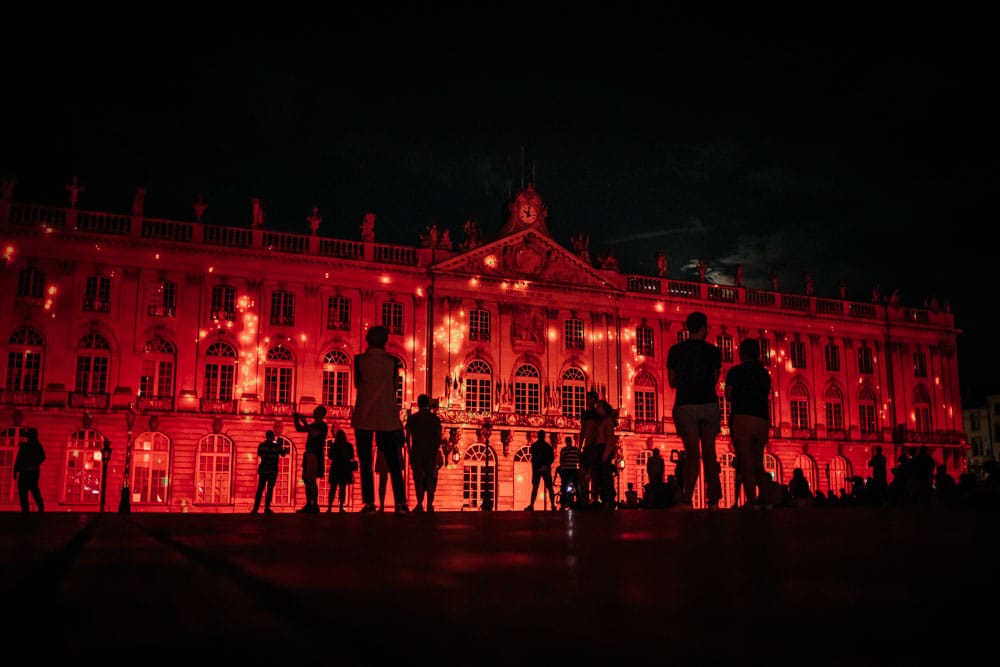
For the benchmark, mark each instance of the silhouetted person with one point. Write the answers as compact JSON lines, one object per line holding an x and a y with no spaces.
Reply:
{"x":606,"y":470}
{"x":269,"y":451}
{"x":342,"y":466}
{"x":312,"y":457}
{"x":28,"y":468}
{"x":921,"y":480}
{"x":748,"y":386}
{"x":631,"y":497}
{"x":569,"y":471}
{"x":944,"y":484}
{"x":693,"y":368}
{"x":376,"y":417}
{"x":655,"y":467}
{"x":798,"y":489}
{"x":542,"y":457}
{"x":590,"y":454}
{"x":424,"y":431}
{"x":880,"y":477}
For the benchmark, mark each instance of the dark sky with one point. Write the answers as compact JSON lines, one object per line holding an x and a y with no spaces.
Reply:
{"x":852,"y":146}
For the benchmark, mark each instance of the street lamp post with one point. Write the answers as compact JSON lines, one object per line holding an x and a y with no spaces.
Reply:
{"x":105,"y":460}
{"x":485,"y":431}
{"x":620,"y":465}
{"x":125,"y":504}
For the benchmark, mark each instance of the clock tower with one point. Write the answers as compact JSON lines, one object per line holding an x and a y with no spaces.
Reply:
{"x":526,"y":211}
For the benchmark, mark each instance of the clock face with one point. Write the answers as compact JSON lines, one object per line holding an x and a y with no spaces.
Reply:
{"x":528,"y":213}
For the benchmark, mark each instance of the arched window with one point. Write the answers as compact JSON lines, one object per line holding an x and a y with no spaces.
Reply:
{"x":213,"y":472}
{"x":478,"y":387}
{"x":158,"y":361}
{"x":24,"y":361}
{"x":833,"y":406}
{"x":867,"y":422}
{"x":772,"y":466}
{"x":220,"y":371}
{"x":93,"y":362}
{"x":921,"y":417}
{"x":474,"y":477}
{"x":573,"y":392}
{"x":279,"y":375}
{"x":527,"y":390}
{"x":82,"y":483}
{"x":808,"y":469}
{"x":150,"y":482}
{"x":644,"y":394}
{"x":839,"y":474}
{"x":336,"y":378}
{"x":288,"y":481}
{"x":799,"y":404}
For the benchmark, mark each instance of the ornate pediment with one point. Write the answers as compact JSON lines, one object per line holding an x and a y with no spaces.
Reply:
{"x":526,"y":255}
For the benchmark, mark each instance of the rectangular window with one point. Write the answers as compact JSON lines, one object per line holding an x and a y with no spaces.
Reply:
{"x":278,"y":385}
{"x":835,"y":416}
{"x":91,"y":375}
{"x":392,"y":317}
{"x":797,"y":352}
{"x":97,"y":297}
{"x":574,"y":334}
{"x":645,"y":405}
{"x":224,"y":303}
{"x":162,"y":299}
{"x":866,"y":362}
{"x":725,"y":345}
{"x":31,"y":284}
{"x":219,"y":381}
{"x":922,"y":421}
{"x":479,"y":325}
{"x":338,"y":313}
{"x":765,"y":350}
{"x":334,"y":387}
{"x":866,"y":417}
{"x":24,"y":370}
{"x":527,"y":399}
{"x":282,"y":308}
{"x":832,"y":354}
{"x":477,"y":394}
{"x":919,"y":364}
{"x":644,"y":341}
{"x":800,"y":414}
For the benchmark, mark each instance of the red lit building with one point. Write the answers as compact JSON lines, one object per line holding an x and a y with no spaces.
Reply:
{"x":178,"y":343}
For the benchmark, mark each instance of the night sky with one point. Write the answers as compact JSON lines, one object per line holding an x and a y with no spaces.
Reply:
{"x":851,"y":146}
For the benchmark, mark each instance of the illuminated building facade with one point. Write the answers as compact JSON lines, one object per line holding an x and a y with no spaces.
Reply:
{"x":176,"y":344}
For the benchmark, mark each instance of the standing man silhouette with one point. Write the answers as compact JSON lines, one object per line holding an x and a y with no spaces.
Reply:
{"x":423,"y":432}
{"x":312,"y":459}
{"x":542,"y":456}
{"x":268,"y":451}
{"x":28,"y":468}
{"x":376,"y":417}
{"x":748,"y":386}
{"x":693,"y":368}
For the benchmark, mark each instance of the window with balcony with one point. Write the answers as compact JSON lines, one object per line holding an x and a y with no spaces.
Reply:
{"x":478,"y":387}
{"x":867,"y":423}
{"x":797,"y":353}
{"x":725,"y":344}
{"x":799,"y":405}
{"x":93,"y":361}
{"x":156,"y":383}
{"x":527,"y":390}
{"x":479,"y":324}
{"x":573,"y":333}
{"x":392,"y":317}
{"x":919,"y":364}
{"x":921,"y":410}
{"x":338,"y":313}
{"x":162,"y":300}
{"x":223,"y":306}
{"x":279,"y":375}
{"x":220,"y":371}
{"x":831,"y":353}
{"x":833,"y":403}
{"x":31,"y":285}
{"x":866,"y":360}
{"x":25,"y":350}
{"x":97,"y":295}
{"x":644,"y":341}
{"x":336,"y":378}
{"x":573,"y":392}
{"x":282,"y":308}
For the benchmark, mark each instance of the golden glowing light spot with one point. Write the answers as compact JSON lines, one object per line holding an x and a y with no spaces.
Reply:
{"x":8,"y":252}
{"x":553,"y":334}
{"x":211,"y":269}
{"x":491,"y":261}
{"x":504,"y":285}
{"x":326,"y":275}
{"x":385,"y":280}
{"x":420,"y":292}
{"x":659,"y":307}
{"x":302,"y":337}
{"x":156,"y":256}
{"x":473,"y":282}
{"x":202,"y":333}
